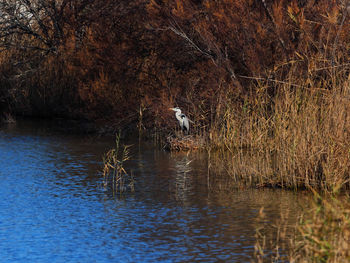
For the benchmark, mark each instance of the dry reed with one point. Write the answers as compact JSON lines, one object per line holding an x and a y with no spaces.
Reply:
{"x":184,"y":143}
{"x":322,"y":234}
{"x":297,"y":138}
{"x":114,"y":172}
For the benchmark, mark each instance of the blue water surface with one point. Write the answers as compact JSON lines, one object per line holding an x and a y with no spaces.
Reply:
{"x":54,"y":207}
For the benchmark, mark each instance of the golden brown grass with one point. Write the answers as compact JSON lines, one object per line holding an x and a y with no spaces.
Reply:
{"x":299,"y":137}
{"x":114,"y":173}
{"x":322,"y":234}
{"x":273,"y":244}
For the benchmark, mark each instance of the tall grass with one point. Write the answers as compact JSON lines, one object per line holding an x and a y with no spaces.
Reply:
{"x":274,"y":245}
{"x":298,"y":137}
{"x":114,"y":172}
{"x":321,"y":234}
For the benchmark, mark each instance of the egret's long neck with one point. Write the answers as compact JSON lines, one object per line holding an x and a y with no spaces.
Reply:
{"x":177,"y":114}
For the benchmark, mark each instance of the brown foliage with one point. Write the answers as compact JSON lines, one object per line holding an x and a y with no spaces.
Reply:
{"x":131,"y":60}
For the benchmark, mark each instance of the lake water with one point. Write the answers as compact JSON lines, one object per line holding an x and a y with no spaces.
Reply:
{"x":54,"y":207}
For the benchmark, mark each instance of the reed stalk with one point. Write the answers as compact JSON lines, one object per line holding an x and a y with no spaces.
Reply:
{"x":321,"y":234}
{"x":114,"y":172}
{"x":297,"y":138}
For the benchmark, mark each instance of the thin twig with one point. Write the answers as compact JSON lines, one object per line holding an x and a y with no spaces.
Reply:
{"x":272,"y":80}
{"x":335,"y":45}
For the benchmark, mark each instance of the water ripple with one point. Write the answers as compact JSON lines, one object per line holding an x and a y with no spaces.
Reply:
{"x":53,"y":208}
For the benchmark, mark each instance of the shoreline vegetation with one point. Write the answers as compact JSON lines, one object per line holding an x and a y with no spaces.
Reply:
{"x":321,"y":234}
{"x":265,"y":82}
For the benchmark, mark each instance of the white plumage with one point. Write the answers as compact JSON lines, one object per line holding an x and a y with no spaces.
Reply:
{"x":183,"y":120}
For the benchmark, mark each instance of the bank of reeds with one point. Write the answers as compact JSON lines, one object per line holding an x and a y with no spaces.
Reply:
{"x":114,"y":172}
{"x":298,"y":137}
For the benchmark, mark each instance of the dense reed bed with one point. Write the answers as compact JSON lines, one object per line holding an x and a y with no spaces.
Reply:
{"x":299,"y":138}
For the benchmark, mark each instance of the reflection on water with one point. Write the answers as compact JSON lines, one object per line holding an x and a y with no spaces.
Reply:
{"x":54,"y":207}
